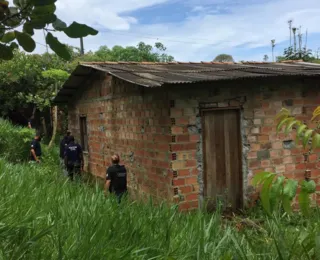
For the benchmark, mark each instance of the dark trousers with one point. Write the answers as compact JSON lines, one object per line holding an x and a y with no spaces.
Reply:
{"x":73,"y":169}
{"x":120,"y":195}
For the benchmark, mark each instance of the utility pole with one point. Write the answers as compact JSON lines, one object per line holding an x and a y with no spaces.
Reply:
{"x":273,"y":44}
{"x":300,"y":42}
{"x":44,"y":36}
{"x":306,"y":40}
{"x":81,"y":46}
{"x":290,"y":29}
{"x":294,"y":29}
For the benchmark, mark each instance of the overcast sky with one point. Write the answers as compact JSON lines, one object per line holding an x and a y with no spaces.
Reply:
{"x":194,"y":30}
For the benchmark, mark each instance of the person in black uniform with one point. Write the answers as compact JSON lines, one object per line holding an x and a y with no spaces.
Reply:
{"x":35,"y":151}
{"x":63,"y":146}
{"x":116,"y":179}
{"x":73,"y":158}
{"x":64,"y":143}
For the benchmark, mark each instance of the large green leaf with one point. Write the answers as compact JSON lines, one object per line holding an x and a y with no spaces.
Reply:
{"x":39,"y":20}
{"x":306,"y":137}
{"x":289,"y":192}
{"x":260,"y":177}
{"x":308,"y":186}
{"x":276,"y":191}
{"x":25,"y":41}
{"x":290,"y":188}
{"x":27,"y":28}
{"x":44,"y":9}
{"x":304,"y":203}
{"x":8,"y":37}
{"x":284,"y":122}
{"x":43,"y":2}
{"x":286,"y":203}
{"x":5,"y":52}
{"x":59,"y":25}
{"x":316,"y":141}
{"x":77,"y":30}
{"x":301,"y":129}
{"x":289,"y":126}
{"x":59,"y":48}
{"x":284,"y":113}
{"x":265,"y":194}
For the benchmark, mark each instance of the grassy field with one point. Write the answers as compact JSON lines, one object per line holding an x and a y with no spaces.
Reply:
{"x":43,"y":216}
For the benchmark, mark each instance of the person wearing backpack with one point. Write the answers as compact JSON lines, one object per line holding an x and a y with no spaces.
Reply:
{"x":35,"y":149}
{"x":73,"y":158}
{"x":116,"y":179}
{"x":63,"y":146}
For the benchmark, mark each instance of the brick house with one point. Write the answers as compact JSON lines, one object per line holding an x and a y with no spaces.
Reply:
{"x":191,"y":132}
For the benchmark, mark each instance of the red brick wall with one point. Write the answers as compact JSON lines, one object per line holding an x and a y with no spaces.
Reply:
{"x":129,"y":120}
{"x":261,"y":101}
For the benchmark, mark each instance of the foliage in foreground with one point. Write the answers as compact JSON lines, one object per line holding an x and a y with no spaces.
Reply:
{"x":45,"y":217}
{"x":34,"y":15}
{"x":278,"y":191}
{"x":15,"y":141}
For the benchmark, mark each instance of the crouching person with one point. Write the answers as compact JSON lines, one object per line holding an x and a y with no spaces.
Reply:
{"x":73,"y":158}
{"x":116,"y":179}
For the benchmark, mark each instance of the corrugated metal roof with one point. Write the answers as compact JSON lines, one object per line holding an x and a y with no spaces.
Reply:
{"x":149,"y":74}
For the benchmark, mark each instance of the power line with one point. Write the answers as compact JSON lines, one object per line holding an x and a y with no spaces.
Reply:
{"x":41,"y":44}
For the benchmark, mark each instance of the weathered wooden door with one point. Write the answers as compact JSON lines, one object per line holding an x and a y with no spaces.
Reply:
{"x":222,"y":159}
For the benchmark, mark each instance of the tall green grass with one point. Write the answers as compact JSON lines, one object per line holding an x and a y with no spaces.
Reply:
{"x":43,"y":216}
{"x":15,"y":141}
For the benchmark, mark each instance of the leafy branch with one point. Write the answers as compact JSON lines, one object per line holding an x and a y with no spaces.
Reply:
{"x":308,"y":137}
{"x":35,"y":15}
{"x":277,"y":190}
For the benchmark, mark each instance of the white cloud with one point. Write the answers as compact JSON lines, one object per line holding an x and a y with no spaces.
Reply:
{"x":203,"y":34}
{"x":105,"y":13}
{"x":198,"y":8}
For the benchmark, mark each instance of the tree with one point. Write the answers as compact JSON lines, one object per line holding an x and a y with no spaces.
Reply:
{"x":55,"y":78}
{"x":223,"y":58}
{"x":273,"y":44}
{"x":142,"y":52}
{"x":265,"y":58}
{"x":35,"y":15}
{"x":26,"y":89}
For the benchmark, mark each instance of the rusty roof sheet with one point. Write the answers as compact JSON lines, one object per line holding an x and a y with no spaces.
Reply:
{"x":157,"y":74}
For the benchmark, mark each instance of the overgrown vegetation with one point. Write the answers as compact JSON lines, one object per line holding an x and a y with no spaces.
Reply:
{"x":29,"y":82}
{"x":43,"y":216}
{"x":14,"y":142}
{"x":277,"y":191}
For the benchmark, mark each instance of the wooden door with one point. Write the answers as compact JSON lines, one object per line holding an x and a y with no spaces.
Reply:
{"x":222,"y":159}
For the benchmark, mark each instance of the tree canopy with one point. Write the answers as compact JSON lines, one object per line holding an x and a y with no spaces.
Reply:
{"x":31,"y":15}
{"x":223,"y":58}
{"x":28,"y":80}
{"x":141,"y":52}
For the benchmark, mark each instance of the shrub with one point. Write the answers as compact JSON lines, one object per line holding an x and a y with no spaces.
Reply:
{"x":15,"y":141}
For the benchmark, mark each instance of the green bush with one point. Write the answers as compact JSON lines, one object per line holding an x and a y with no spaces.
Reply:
{"x":15,"y":141}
